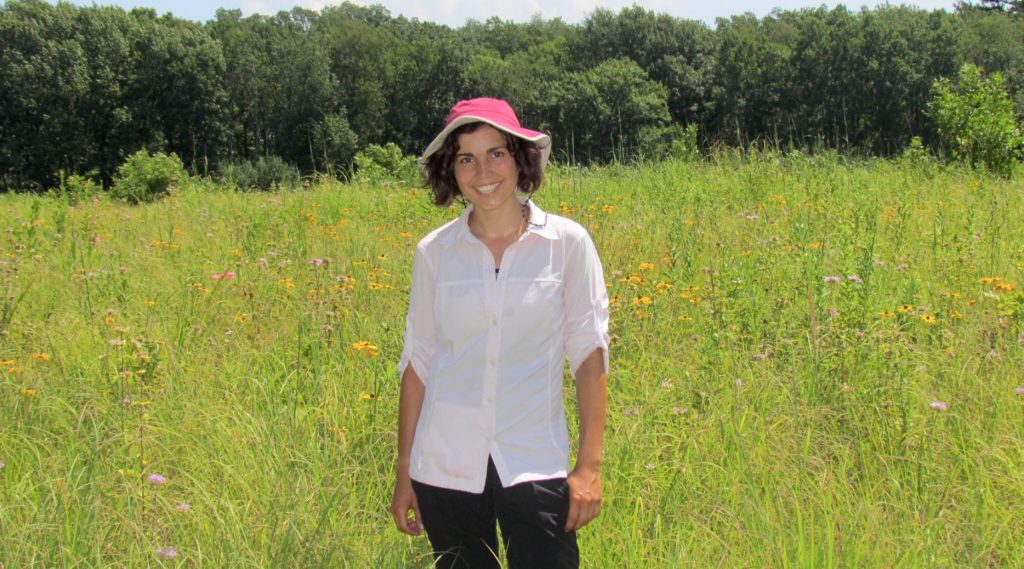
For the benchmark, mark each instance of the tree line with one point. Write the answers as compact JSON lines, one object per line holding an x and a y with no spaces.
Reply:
{"x":81,"y":88}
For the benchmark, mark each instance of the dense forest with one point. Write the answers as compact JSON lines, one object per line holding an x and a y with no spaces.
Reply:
{"x":82,"y":88}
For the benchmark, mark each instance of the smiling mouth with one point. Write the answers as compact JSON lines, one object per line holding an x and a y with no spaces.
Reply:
{"x":488,"y":188}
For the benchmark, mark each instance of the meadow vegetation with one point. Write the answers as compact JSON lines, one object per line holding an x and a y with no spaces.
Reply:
{"x":816,"y":363}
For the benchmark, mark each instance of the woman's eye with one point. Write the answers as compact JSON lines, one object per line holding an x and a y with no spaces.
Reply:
{"x":498,"y":154}
{"x":466,"y":160}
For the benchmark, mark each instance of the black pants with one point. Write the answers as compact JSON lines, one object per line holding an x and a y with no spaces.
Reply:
{"x":532,"y":515}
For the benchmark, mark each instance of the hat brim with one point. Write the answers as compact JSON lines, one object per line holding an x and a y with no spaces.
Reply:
{"x":542,"y":140}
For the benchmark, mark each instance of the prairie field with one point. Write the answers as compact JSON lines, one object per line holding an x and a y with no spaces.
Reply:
{"x":816,"y":363}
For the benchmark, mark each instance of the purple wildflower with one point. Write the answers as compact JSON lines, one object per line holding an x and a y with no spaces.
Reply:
{"x":1019,"y":390}
{"x":855,"y":279}
{"x":182,"y":507}
{"x":739,"y":383}
{"x":939,"y":405}
{"x":318,"y":262}
{"x":156,"y":479}
{"x":166,"y":553}
{"x":832,"y":279}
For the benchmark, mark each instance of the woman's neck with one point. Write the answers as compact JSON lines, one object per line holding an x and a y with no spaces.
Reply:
{"x":507,"y":223}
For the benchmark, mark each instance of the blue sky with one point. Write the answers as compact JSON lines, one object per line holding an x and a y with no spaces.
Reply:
{"x":455,"y":12}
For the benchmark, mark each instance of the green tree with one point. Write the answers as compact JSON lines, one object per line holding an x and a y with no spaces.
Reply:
{"x":994,"y":41}
{"x":677,"y":53}
{"x":175,"y":89}
{"x":429,"y":64}
{"x":975,"y":119}
{"x":604,"y":110}
{"x":749,"y":97}
{"x":353,"y":47}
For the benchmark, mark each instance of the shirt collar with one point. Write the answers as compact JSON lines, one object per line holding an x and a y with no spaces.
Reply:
{"x":538,"y":223}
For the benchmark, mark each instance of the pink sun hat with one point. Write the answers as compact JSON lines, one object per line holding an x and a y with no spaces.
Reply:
{"x":494,"y":112}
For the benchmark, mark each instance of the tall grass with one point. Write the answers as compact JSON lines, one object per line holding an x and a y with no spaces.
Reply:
{"x":815,"y":364}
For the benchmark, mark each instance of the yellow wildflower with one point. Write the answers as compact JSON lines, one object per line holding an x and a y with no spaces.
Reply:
{"x":27,"y":392}
{"x":929,"y":319}
{"x":366,"y":348}
{"x":646,"y":266}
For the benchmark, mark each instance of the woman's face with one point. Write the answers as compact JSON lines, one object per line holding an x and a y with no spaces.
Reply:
{"x":485,"y":169}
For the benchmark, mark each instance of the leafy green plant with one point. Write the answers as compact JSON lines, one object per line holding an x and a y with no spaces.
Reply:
{"x":376,"y":164}
{"x":673,"y":141}
{"x":75,"y":189}
{"x":146,"y":178}
{"x":266,"y":174}
{"x":976,"y":120}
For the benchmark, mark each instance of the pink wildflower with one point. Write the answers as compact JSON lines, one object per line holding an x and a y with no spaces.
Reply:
{"x":939,"y":405}
{"x":227,"y":275}
{"x":832,"y":279}
{"x":1019,"y":390}
{"x":182,"y":507}
{"x":156,"y":479}
{"x":166,"y":553}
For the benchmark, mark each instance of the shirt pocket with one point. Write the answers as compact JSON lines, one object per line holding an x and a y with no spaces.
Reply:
{"x":459,"y":313}
{"x":536,"y":308}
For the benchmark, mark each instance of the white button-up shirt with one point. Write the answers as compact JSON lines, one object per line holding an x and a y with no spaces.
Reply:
{"x":491,"y":349}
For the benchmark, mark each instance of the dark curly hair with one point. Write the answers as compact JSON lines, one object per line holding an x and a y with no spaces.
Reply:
{"x":439,"y":167}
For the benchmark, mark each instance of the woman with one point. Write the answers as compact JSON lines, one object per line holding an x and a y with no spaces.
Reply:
{"x":499,"y":298}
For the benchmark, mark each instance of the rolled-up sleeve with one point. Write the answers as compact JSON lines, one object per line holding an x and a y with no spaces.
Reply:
{"x":419,"y":320}
{"x":586,"y":302}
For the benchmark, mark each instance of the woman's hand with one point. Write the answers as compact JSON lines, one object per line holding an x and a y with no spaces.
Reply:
{"x":584,"y":497}
{"x":410,"y":401}
{"x":402,"y":503}
{"x":585,"y":479}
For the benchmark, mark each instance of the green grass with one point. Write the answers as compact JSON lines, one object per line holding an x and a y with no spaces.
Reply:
{"x":760,"y":415}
